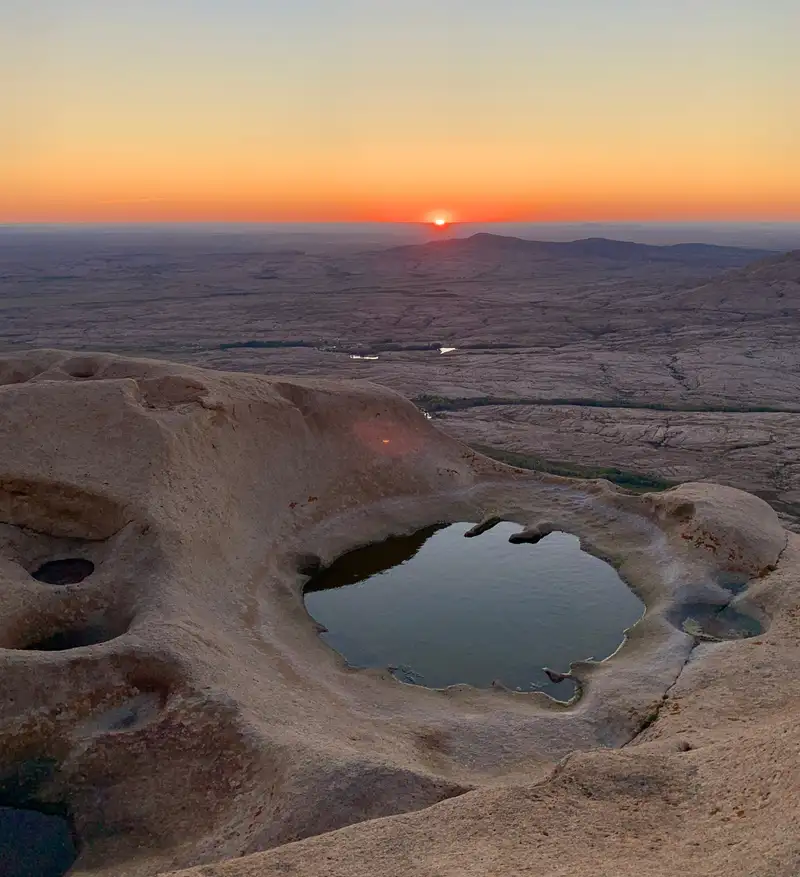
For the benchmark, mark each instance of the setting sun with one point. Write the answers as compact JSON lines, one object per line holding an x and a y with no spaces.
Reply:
{"x":439,"y":218}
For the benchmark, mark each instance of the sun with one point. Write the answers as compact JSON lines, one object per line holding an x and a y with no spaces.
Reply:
{"x":440,"y":218}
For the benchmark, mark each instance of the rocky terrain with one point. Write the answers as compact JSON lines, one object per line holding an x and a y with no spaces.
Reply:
{"x":165,"y":689}
{"x":675,"y":362}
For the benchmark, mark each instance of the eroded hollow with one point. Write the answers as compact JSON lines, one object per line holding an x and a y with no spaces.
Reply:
{"x":68,"y":571}
{"x":720,"y":622}
{"x":70,"y":639}
{"x":441,"y":610}
{"x":34,"y":844}
{"x":59,"y":510}
{"x":75,"y":636}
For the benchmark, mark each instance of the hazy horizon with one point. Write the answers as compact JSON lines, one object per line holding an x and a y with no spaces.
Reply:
{"x":766,"y":235}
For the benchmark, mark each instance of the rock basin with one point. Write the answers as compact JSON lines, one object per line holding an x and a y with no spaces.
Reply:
{"x":440,"y":610}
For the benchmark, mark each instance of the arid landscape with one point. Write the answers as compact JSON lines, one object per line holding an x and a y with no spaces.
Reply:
{"x":399,"y":439}
{"x":671,"y":363}
{"x":195,"y":425}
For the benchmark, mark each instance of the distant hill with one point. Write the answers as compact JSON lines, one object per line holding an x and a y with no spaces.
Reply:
{"x":775,"y":268}
{"x":770,"y":285}
{"x":483,"y":246}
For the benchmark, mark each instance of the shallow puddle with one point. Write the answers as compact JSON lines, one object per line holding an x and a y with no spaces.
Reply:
{"x":717,"y":622}
{"x":441,"y":609}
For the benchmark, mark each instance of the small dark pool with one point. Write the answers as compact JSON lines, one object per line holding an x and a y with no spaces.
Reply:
{"x":34,"y":844}
{"x":443,"y":609}
{"x":69,"y":571}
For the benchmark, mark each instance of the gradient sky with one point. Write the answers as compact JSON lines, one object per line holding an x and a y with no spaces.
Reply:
{"x":394,"y":109}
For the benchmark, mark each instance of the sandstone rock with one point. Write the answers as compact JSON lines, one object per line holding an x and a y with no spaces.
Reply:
{"x":185,"y":711}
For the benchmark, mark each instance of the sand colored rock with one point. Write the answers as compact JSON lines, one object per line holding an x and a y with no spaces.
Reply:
{"x":179,"y":703}
{"x":741,"y":536}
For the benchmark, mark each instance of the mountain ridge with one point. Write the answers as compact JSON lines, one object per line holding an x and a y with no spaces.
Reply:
{"x":482,"y":244}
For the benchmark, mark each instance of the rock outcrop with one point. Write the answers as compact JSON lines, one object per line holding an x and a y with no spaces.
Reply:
{"x":163,"y":685}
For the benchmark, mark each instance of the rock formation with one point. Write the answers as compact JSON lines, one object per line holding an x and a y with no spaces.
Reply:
{"x":163,"y":684}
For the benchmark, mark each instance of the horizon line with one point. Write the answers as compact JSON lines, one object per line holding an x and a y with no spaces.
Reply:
{"x":405,"y":222}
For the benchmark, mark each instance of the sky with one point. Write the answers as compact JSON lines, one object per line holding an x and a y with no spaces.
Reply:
{"x":399,"y":110}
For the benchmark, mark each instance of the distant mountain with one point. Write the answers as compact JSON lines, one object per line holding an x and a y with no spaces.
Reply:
{"x":485,"y":246}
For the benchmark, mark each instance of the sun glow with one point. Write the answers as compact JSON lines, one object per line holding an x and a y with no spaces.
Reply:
{"x":440,"y":218}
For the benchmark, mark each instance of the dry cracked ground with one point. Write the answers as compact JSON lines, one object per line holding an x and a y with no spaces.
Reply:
{"x":673,"y":363}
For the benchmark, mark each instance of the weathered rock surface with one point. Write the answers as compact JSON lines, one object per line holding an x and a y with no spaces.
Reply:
{"x":754,"y":451}
{"x":593,"y":321}
{"x":179,"y":704}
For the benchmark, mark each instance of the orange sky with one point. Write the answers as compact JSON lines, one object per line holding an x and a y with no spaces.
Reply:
{"x":219,"y":111}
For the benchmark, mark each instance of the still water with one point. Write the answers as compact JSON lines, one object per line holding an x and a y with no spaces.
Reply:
{"x":443,"y":609}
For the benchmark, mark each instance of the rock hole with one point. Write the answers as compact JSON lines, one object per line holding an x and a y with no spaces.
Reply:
{"x":35,"y":844}
{"x":710,"y":622}
{"x":68,"y":571}
{"x":81,"y":368}
{"x":70,"y":639}
{"x":79,"y":636}
{"x":37,"y":836}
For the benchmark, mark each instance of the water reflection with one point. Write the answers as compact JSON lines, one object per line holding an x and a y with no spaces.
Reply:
{"x":443,"y":609}
{"x":371,"y":560}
